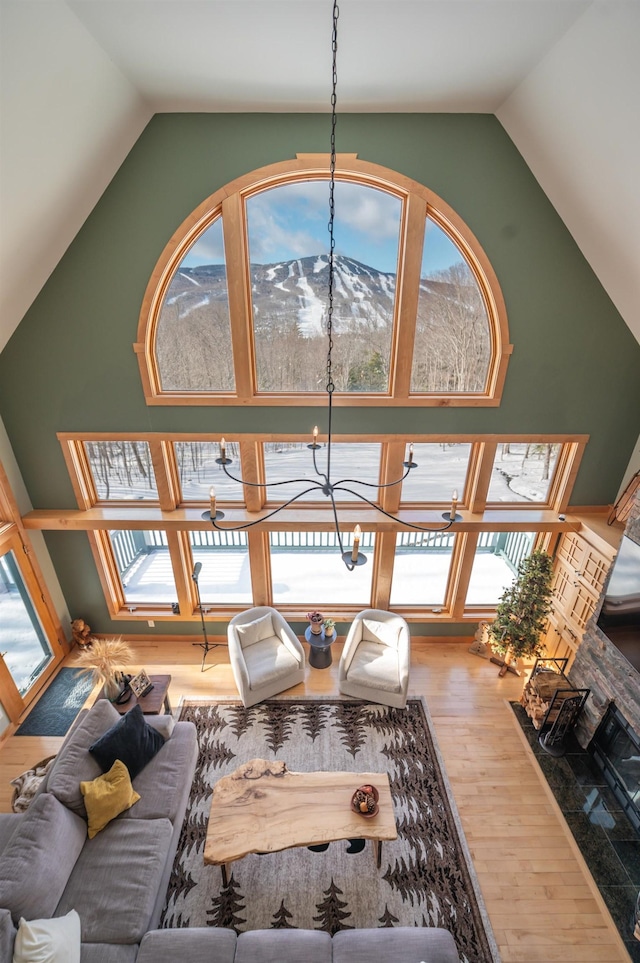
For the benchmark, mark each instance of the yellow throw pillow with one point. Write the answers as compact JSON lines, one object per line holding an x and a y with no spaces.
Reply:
{"x":108,"y":796}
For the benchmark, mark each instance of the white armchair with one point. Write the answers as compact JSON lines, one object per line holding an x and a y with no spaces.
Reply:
{"x":375,"y":660}
{"x":266,"y":656}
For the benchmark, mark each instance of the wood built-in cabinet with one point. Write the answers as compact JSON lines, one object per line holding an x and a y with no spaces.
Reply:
{"x":581,"y":566}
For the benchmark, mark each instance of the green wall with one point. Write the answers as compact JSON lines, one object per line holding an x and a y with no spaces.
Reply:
{"x":70,"y":365}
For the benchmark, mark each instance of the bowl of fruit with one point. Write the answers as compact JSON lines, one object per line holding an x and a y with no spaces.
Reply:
{"x":365,"y":801}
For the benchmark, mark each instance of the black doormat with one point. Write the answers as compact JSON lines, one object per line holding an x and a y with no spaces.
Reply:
{"x":58,"y":706}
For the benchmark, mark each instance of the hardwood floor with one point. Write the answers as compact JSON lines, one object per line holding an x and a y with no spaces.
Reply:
{"x":543,"y":905}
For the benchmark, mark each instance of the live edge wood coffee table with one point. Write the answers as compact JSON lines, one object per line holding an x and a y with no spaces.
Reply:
{"x":263,"y":808}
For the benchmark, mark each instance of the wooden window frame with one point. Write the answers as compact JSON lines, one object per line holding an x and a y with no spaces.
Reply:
{"x":12,"y":540}
{"x":177,"y":518}
{"x":418,"y":204}
{"x":473,"y":497}
{"x":14,"y":535}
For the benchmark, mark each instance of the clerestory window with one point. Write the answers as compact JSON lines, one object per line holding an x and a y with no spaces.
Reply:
{"x":235,"y":312}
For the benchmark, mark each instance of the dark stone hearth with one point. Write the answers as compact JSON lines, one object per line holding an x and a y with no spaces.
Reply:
{"x":629,"y":855}
{"x":621,"y":829}
{"x":602,"y":806}
{"x":597,"y":849}
{"x":570,"y":798}
{"x":606,"y":838}
{"x":584,"y":771}
{"x":620,"y":902}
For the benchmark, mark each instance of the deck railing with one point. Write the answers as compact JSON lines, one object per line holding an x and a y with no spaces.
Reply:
{"x":128,"y":546}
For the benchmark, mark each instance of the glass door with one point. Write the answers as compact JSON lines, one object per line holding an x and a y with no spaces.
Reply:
{"x":29,"y":648}
{"x":23,"y":644}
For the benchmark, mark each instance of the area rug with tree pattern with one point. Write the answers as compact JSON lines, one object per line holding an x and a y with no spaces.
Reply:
{"x":426,"y":877}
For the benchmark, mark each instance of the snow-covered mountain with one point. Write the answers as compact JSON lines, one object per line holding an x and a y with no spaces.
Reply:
{"x":359,"y":291}
{"x":299,"y":288}
{"x":296,"y":287}
{"x":289,"y":300}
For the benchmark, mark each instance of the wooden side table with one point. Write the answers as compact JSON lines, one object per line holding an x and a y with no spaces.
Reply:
{"x":155,"y":701}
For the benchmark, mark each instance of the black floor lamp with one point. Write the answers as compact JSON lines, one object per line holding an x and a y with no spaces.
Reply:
{"x":206,"y":645}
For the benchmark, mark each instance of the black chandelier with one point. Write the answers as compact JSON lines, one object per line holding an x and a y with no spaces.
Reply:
{"x":323,"y":481}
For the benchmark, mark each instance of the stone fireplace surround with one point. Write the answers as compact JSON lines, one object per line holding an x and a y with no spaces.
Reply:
{"x":600,"y":667}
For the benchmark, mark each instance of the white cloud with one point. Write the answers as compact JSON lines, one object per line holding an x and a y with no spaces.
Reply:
{"x":291,"y":221}
{"x":209,"y":248}
{"x":368,"y":210}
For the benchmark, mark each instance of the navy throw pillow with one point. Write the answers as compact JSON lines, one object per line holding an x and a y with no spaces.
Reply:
{"x":131,"y":740}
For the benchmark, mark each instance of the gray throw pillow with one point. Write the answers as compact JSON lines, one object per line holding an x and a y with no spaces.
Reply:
{"x":74,"y":764}
{"x":164,"y":724}
{"x":39,"y":858}
{"x":7,"y":935}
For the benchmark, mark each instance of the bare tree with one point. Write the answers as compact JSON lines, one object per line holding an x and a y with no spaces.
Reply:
{"x":452,"y":345}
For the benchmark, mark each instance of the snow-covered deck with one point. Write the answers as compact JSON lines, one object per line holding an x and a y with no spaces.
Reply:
{"x":315,"y":578}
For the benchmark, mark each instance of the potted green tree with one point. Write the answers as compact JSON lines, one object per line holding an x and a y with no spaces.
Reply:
{"x":522,"y":611}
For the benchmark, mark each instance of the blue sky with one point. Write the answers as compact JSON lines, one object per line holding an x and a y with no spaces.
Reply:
{"x":291,"y":221}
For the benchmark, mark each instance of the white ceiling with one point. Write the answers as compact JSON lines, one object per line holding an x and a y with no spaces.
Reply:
{"x":80,"y":79}
{"x":406,"y":55}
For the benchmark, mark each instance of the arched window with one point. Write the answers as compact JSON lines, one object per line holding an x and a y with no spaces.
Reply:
{"x":193,"y":333}
{"x":235,"y":311}
{"x":452,"y":347}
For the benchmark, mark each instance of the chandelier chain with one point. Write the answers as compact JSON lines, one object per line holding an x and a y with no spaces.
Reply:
{"x":323,"y":481}
{"x":332,"y":208}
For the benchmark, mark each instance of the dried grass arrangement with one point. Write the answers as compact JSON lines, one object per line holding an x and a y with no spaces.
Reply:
{"x":105,"y":659}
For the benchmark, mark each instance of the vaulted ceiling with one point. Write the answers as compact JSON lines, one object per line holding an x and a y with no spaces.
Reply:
{"x":80,"y":79}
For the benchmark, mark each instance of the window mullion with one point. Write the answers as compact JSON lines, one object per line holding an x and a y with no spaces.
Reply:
{"x":164,"y":467}
{"x":392,"y":469}
{"x":479,"y":476}
{"x":108,"y":574}
{"x":182,"y":565}
{"x":260,"y":563}
{"x":383,"y":574}
{"x":565,"y":476}
{"x":460,"y":574}
{"x":408,"y":286}
{"x":251,"y":464}
{"x":238,"y":286}
{"x":75,"y":456}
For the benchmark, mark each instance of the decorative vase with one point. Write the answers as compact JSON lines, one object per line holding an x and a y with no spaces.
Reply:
{"x":316,"y":628}
{"x":105,"y":660}
{"x":112,"y":687}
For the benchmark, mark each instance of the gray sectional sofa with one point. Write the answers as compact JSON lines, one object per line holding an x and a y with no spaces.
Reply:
{"x":117,"y":881}
{"x":385,"y":945}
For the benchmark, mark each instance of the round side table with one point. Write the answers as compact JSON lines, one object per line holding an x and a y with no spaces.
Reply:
{"x":320,"y":648}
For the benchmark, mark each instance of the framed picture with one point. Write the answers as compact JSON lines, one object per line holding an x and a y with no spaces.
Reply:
{"x":141,"y":684}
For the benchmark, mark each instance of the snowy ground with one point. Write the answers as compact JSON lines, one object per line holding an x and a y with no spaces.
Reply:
{"x":317,"y":579}
{"x":420,"y":578}
{"x":25,"y":654}
{"x":441,"y":470}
